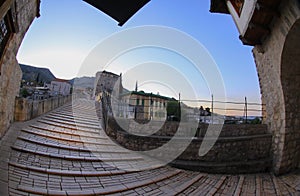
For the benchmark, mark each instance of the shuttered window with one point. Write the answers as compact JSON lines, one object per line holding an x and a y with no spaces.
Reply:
{"x":5,"y":33}
{"x":8,"y":26}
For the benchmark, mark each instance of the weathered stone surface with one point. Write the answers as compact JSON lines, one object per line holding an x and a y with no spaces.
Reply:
{"x":26,"y":109}
{"x":277,"y":61}
{"x":11,"y":74}
{"x":239,"y":149}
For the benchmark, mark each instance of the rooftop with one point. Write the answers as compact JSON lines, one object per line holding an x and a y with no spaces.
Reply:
{"x":121,"y":11}
{"x":142,"y":93}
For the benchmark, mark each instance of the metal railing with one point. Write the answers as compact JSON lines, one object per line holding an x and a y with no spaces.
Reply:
{"x":214,"y":110}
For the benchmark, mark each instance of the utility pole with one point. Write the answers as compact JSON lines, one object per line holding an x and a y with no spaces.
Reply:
{"x":246,"y":110}
{"x":212,"y":109}
{"x":179,"y":108}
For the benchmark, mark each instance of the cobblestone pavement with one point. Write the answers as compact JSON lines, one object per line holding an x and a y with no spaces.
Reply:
{"x":53,"y":155}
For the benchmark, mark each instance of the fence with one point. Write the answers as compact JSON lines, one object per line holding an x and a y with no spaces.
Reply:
{"x":213,"y":112}
{"x":233,"y":111}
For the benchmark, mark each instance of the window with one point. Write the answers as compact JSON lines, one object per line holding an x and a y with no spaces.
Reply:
{"x":8,"y":26}
{"x":5,"y":32}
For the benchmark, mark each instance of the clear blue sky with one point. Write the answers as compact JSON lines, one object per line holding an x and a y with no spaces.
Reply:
{"x":69,"y":29}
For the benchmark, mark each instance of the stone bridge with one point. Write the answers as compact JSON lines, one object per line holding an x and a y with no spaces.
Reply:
{"x":273,"y":29}
{"x":66,"y":152}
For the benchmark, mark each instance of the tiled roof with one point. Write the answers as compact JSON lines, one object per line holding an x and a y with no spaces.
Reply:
{"x":61,"y":80}
{"x":142,"y":93}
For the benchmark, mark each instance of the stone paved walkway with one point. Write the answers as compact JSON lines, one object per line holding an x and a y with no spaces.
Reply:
{"x":53,"y":155}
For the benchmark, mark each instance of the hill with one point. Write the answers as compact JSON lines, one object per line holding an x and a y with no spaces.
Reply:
{"x":36,"y":74}
{"x":83,"y":82}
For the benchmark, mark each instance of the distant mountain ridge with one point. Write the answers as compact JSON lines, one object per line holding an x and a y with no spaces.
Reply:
{"x":44,"y":75}
{"x":36,"y":74}
{"x":83,"y":82}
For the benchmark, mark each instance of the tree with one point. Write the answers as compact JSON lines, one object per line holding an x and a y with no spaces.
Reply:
{"x":24,"y":93}
{"x":173,"y":110}
{"x":256,"y":121}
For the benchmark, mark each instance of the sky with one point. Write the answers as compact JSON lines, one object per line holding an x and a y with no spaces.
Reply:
{"x":69,"y":30}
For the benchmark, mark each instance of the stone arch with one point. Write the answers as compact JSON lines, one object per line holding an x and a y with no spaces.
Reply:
{"x":290,"y":81}
{"x":277,"y":60}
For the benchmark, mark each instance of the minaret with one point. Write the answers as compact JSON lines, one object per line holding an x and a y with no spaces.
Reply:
{"x":136,"y":86}
{"x":120,"y":85}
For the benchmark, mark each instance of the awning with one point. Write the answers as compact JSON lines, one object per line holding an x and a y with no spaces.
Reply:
{"x":120,"y":10}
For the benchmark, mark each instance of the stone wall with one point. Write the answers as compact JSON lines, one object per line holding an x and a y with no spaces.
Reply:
{"x":277,"y":61}
{"x":239,"y":149}
{"x":169,"y":128}
{"x":11,"y":74}
{"x":27,"y":109}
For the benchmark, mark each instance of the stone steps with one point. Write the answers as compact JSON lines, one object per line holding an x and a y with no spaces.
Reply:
{"x":78,"y":111}
{"x":71,"y":123}
{"x":72,"y":118}
{"x":101,"y":191}
{"x":59,"y":125}
{"x":69,"y":140}
{"x":63,"y":139}
{"x":204,"y":185}
{"x":98,"y":157}
{"x":95,"y":121}
{"x":68,"y":136}
{"x":75,"y":173}
{"x":71,"y":115}
{"x":229,"y":186}
{"x":238,"y":189}
{"x":56,"y":157}
{"x":67,"y":125}
{"x":66,"y":147}
{"x":176,"y":184}
{"x":286,"y":186}
{"x":96,"y":134}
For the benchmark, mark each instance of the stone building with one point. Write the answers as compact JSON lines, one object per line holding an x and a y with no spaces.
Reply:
{"x":273,"y":28}
{"x":144,"y":106}
{"x":15,"y":19}
{"x":108,"y":82}
{"x":60,"y":87}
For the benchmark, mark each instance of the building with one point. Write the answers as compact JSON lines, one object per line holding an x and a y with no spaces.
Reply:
{"x":60,"y":87}
{"x":41,"y":93}
{"x":107,"y":82}
{"x":143,"y":106}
